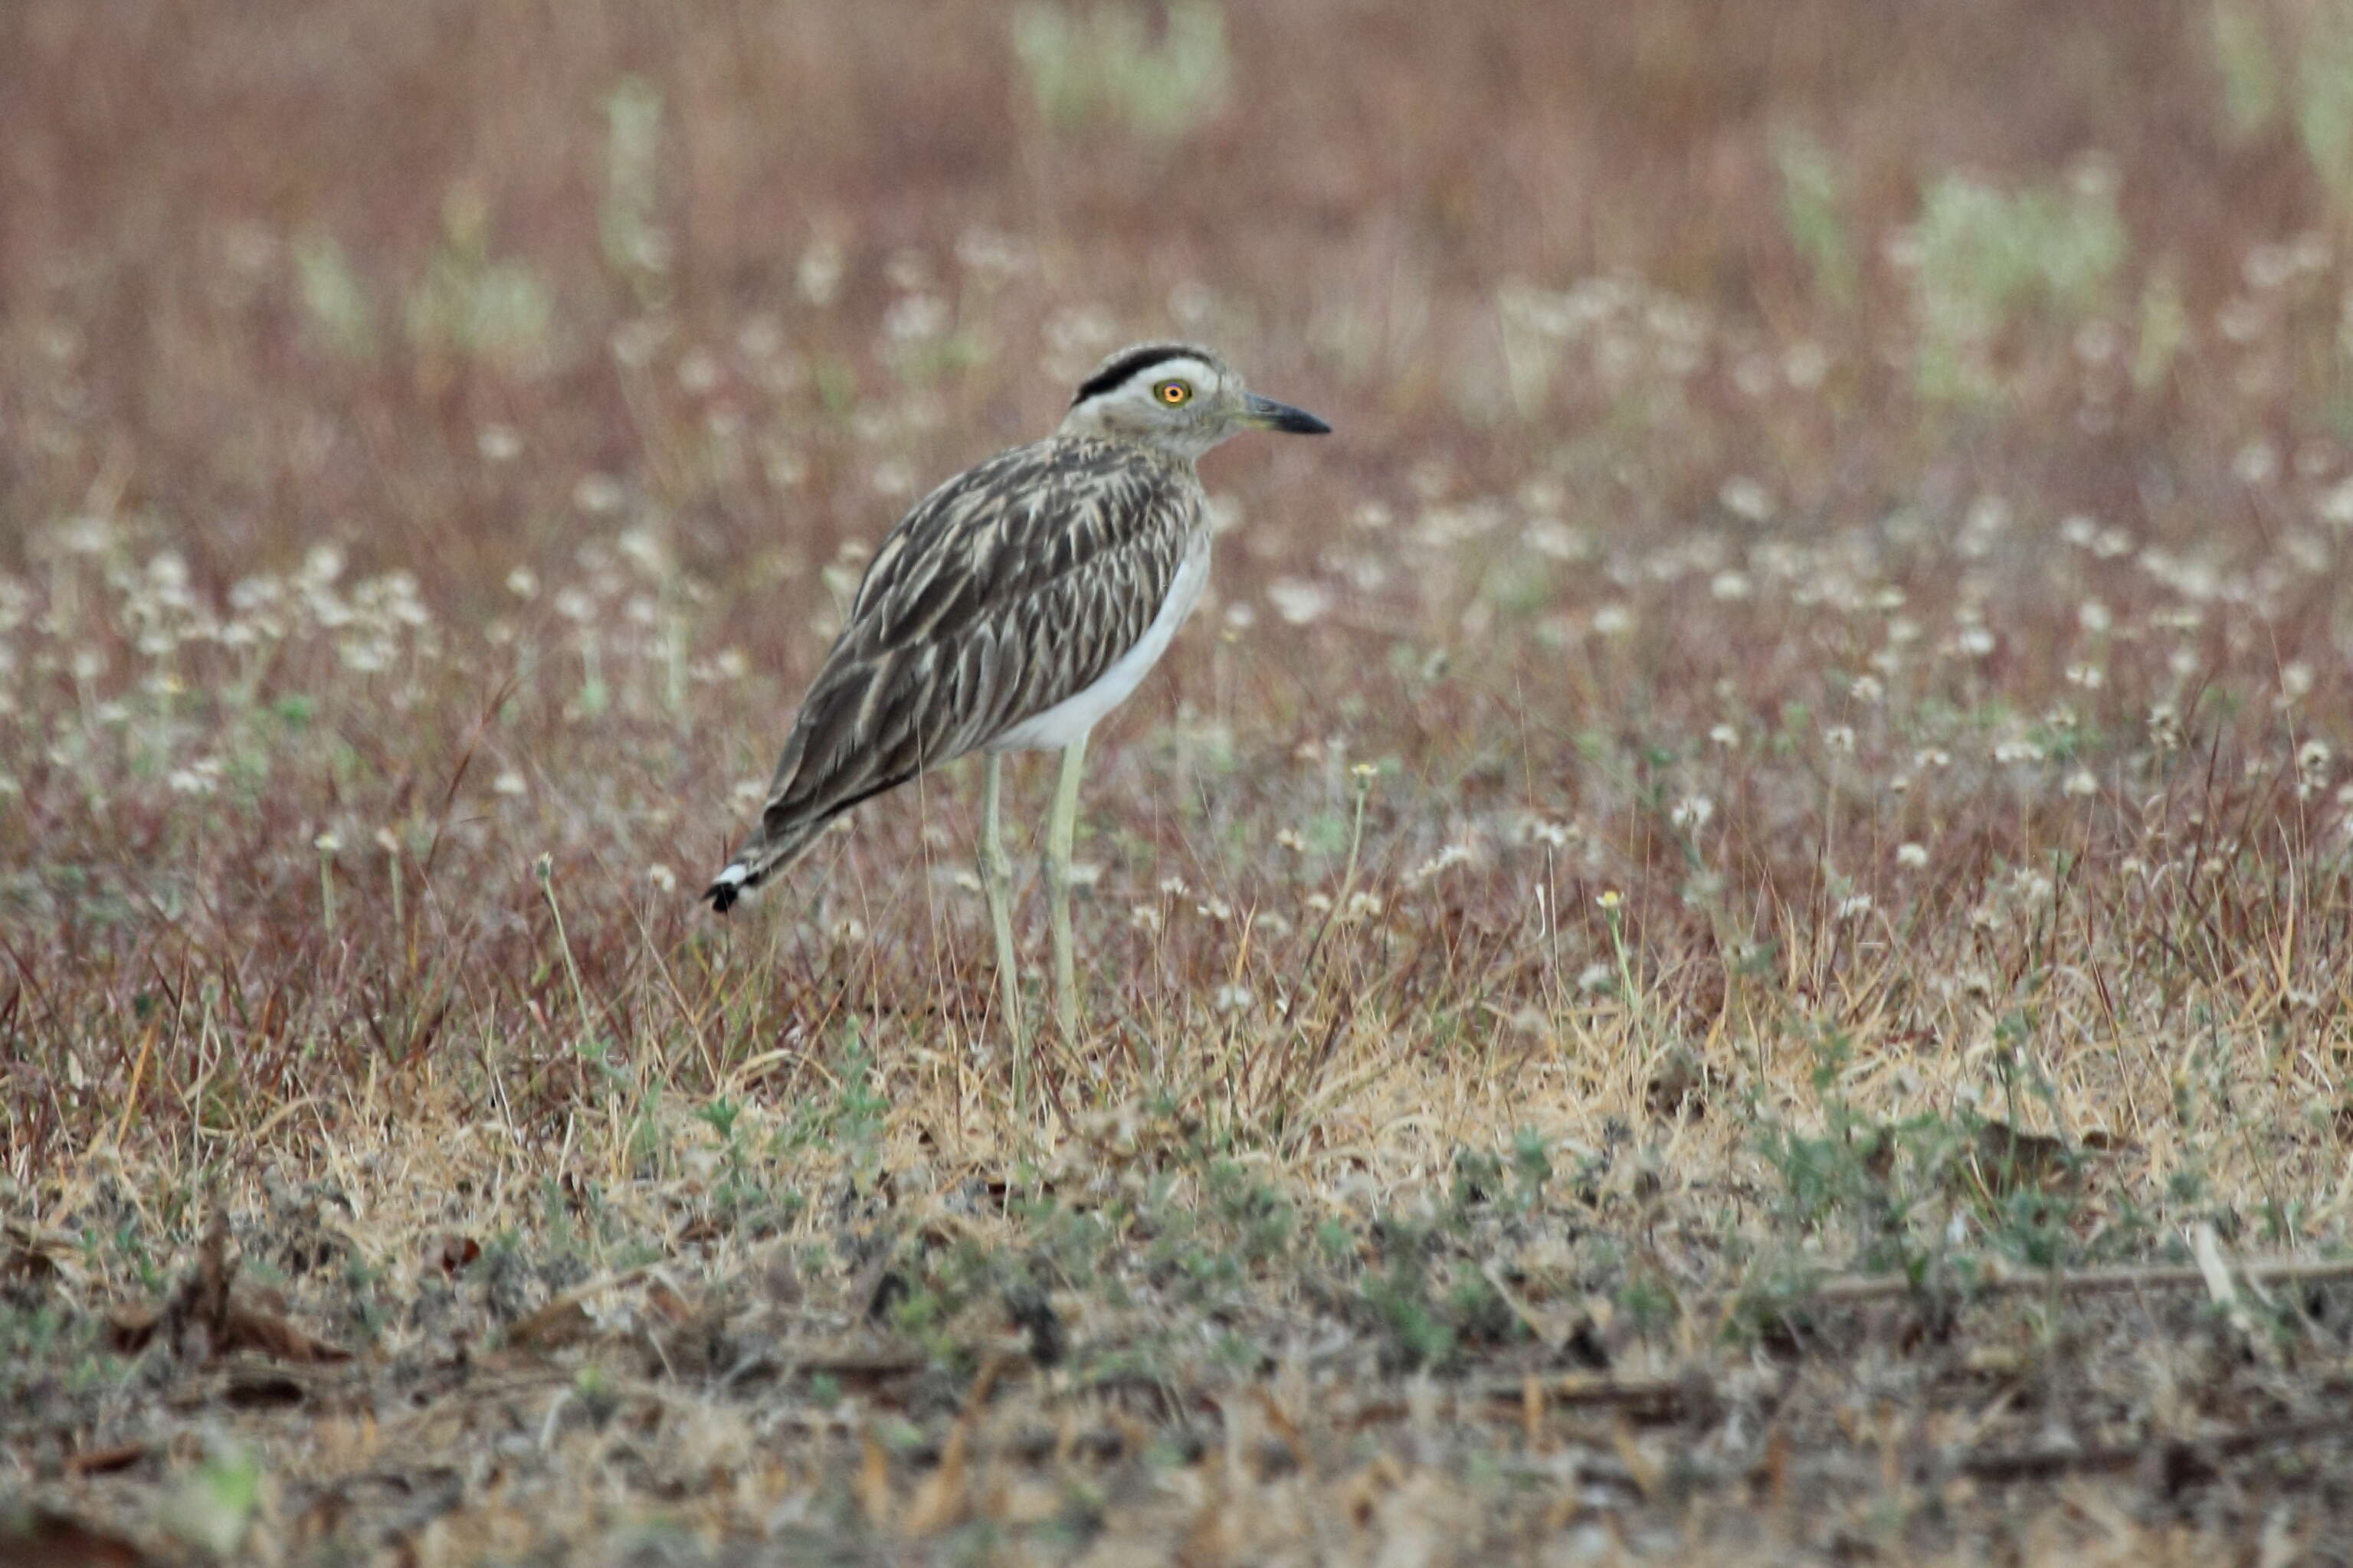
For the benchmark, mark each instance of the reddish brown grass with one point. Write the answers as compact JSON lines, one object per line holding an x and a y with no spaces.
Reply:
{"x":1650,"y":685}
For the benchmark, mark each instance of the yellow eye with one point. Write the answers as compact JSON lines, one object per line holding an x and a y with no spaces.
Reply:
{"x":1173,"y":392}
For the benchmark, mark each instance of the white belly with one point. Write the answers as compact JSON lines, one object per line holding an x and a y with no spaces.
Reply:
{"x":1070,"y":720}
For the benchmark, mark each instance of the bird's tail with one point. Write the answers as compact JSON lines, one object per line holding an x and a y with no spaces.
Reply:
{"x":763,"y":855}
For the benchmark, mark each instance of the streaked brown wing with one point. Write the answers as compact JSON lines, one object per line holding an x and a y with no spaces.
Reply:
{"x":1012,"y":587}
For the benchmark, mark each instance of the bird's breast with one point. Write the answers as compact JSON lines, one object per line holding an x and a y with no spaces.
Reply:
{"x":1070,"y":719}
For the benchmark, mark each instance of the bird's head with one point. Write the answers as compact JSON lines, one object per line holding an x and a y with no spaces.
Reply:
{"x":1178,"y":397}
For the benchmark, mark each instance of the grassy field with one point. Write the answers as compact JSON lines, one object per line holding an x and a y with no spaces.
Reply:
{"x":1726,"y":941}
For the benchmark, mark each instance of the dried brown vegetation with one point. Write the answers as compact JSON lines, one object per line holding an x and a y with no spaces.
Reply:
{"x":1794,"y":733}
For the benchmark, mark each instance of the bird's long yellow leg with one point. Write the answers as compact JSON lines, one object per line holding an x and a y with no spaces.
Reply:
{"x":1059,"y":829}
{"x":996,"y":883}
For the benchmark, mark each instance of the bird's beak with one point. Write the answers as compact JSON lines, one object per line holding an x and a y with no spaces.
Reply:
{"x":1266,"y":413}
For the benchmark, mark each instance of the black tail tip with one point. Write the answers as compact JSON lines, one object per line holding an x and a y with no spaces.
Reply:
{"x":722,"y":895}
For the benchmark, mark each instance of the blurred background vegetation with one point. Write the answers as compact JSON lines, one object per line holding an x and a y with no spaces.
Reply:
{"x":268,"y":270}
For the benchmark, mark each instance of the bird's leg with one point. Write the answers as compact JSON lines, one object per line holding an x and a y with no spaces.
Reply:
{"x":996,"y":883}
{"x":1059,"y":828}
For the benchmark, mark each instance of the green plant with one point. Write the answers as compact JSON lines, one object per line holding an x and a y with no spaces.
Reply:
{"x":473,"y":306}
{"x":1811,"y":211}
{"x":637,"y":247}
{"x":1104,"y":62}
{"x":334,"y":301}
{"x":1987,"y":258}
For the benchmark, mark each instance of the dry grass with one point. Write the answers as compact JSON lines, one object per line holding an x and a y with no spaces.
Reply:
{"x":1795,"y":730}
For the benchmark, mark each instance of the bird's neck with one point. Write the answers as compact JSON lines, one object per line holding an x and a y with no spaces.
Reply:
{"x":1100,"y":425}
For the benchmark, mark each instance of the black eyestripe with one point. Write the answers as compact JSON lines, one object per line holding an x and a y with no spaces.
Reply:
{"x":1128,"y":364}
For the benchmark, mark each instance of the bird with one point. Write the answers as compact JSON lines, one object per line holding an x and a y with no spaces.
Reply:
{"x":1011,"y":609}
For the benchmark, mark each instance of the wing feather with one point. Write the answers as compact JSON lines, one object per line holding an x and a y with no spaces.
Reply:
{"x":1010,"y":588}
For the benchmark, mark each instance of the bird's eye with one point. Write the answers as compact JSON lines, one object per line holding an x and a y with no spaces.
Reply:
{"x":1173,"y":392}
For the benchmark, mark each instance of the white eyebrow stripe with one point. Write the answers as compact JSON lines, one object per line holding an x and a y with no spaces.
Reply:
{"x":1183,"y":368}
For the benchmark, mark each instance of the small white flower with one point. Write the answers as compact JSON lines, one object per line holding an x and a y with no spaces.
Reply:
{"x":1594,"y":976}
{"x":2094,"y":616}
{"x":199,"y":777}
{"x":662,"y":877}
{"x":2312,"y":761}
{"x":1806,"y":364}
{"x":508,"y":782}
{"x":1839,"y":737}
{"x":1613,"y":620}
{"x":1550,"y":536}
{"x":1855,"y":906}
{"x":985,"y":251}
{"x":327,"y":843}
{"x":2081,"y":782}
{"x":1233,"y":998}
{"x":1975,"y":641}
{"x":1725,"y":735}
{"x":597,"y":494}
{"x":916,"y":318}
{"x":818,"y":275}
{"x":1299,"y":602}
{"x":1729,"y":586}
{"x":1692,"y":812}
{"x":1451,"y":856}
{"x":2337,"y":506}
{"x":1745,"y":498}
{"x":698,"y":371}
{"x":1911,"y":857}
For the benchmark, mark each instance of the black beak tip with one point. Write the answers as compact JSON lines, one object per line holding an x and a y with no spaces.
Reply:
{"x":1273,"y":416}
